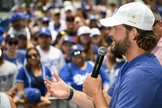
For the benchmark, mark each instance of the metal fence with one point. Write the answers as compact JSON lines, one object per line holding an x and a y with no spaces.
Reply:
{"x":57,"y":103}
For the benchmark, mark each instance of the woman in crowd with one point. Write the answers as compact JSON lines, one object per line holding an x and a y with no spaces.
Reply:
{"x":96,"y":38}
{"x":84,"y":39}
{"x":32,"y":76}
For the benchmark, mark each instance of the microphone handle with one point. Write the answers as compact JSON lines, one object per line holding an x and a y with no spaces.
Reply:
{"x":97,"y":66}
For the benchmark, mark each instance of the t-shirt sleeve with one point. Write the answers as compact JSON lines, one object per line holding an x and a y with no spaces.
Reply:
{"x":48,"y":74}
{"x":62,"y":60}
{"x":15,"y":74}
{"x":65,"y":74}
{"x":134,"y":92}
{"x":21,"y":75}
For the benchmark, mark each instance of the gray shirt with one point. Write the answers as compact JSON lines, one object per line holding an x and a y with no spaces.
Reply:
{"x":8,"y":72}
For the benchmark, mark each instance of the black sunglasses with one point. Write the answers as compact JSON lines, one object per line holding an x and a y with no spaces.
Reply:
{"x":13,"y":43}
{"x":31,"y":55}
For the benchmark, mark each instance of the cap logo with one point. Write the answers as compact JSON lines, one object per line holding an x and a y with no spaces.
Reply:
{"x":43,"y":29}
{"x":132,"y":20}
{"x":12,"y":36}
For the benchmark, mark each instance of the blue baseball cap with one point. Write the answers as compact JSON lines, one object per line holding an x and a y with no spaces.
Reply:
{"x":33,"y":95}
{"x":17,"y":16}
{"x":44,"y":30}
{"x":76,"y":50}
{"x":93,"y":17}
{"x":11,"y":37}
{"x":45,"y":19}
{"x":68,"y":39}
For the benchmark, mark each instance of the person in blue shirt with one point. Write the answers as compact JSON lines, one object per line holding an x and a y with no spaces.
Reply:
{"x":112,"y":64}
{"x":75,"y":72}
{"x":12,"y":53}
{"x":32,"y":75}
{"x":139,"y":81}
{"x":67,"y":43}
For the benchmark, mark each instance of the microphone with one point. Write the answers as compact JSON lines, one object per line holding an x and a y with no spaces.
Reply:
{"x":101,"y":53}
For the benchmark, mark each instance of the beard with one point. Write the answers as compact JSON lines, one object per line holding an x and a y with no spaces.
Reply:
{"x":121,"y":47}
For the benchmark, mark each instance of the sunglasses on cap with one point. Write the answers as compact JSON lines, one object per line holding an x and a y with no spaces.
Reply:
{"x":13,"y":43}
{"x":32,"y":55}
{"x":77,"y":53}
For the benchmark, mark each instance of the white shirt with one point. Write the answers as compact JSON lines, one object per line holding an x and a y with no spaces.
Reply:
{"x":53,"y":59}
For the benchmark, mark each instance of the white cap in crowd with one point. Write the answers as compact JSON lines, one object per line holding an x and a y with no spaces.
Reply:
{"x":95,"y":31}
{"x":134,"y":14}
{"x":83,"y":30}
{"x":68,"y":8}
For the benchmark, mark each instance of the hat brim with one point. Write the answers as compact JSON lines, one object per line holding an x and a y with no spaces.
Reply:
{"x":110,"y":22}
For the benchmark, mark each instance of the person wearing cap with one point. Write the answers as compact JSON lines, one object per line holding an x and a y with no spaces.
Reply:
{"x":22,"y":43}
{"x":93,"y":21}
{"x":157,"y":31}
{"x":75,"y":72}
{"x":69,"y":10}
{"x":84,"y":39}
{"x":70,"y":30}
{"x":139,"y":81}
{"x":112,"y":64}
{"x":8,"y":72}
{"x":57,"y":23}
{"x":50,"y":56}
{"x":18,"y":24}
{"x":67,"y":43}
{"x":103,"y":12}
{"x":12,"y":53}
{"x":31,"y":76}
{"x":96,"y":38}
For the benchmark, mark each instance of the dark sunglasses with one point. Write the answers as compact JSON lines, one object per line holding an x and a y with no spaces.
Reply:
{"x":76,"y":53}
{"x":13,"y":43}
{"x":32,"y":55}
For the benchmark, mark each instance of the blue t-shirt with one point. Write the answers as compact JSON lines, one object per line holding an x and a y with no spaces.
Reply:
{"x":26,"y":77}
{"x":74,"y":76}
{"x":138,"y":84}
{"x":95,"y":49}
{"x":18,"y":60}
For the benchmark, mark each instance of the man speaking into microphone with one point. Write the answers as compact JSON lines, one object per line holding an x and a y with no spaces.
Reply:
{"x":139,"y":81}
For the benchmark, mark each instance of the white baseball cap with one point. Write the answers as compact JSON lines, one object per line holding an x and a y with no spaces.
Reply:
{"x":68,"y":8}
{"x":83,"y":30}
{"x":133,"y":14}
{"x":95,"y":31}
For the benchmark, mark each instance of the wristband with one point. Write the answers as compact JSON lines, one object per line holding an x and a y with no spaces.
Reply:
{"x":71,"y":94}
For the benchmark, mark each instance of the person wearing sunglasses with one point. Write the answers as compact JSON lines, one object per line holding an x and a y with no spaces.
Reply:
{"x":32,"y":76}
{"x":8,"y":72}
{"x":75,"y":72}
{"x":11,"y":53}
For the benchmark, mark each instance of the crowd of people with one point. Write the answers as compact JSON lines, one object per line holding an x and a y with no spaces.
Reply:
{"x":50,"y":50}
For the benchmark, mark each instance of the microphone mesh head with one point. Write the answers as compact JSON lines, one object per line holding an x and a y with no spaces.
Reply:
{"x":102,"y":51}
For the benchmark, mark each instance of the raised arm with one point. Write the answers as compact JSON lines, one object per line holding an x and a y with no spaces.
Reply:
{"x":61,"y":90}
